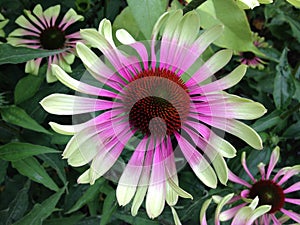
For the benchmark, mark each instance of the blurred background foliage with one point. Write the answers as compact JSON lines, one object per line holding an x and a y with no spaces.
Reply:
{"x":38,"y":187}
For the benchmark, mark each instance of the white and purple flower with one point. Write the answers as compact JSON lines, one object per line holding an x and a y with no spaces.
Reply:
{"x":42,"y":30}
{"x":153,"y":98}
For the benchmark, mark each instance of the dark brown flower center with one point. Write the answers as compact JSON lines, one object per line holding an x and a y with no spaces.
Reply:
{"x":157,"y":102}
{"x":248,"y":55}
{"x":269,"y":193}
{"x":52,"y":38}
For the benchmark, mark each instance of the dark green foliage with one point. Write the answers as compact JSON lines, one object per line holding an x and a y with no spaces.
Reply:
{"x":37,"y":187}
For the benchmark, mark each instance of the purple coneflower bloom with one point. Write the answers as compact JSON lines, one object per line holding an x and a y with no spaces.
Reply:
{"x":270,"y":191}
{"x":150,"y":98}
{"x":42,"y":30}
{"x":251,"y":59}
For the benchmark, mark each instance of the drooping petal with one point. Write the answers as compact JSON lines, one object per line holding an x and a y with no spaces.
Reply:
{"x":107,"y":157}
{"x":63,"y":104}
{"x":221,"y":204}
{"x":171,"y":172}
{"x":198,"y":163}
{"x":73,"y":129}
{"x":80,"y":86}
{"x":129,"y":179}
{"x":203,"y":212}
{"x":155,"y":200}
{"x":244,"y":164}
{"x":238,"y":108}
{"x":236,"y":128}
{"x":223,"y":146}
{"x":33,"y":66}
{"x":230,"y":213}
{"x":144,"y":181}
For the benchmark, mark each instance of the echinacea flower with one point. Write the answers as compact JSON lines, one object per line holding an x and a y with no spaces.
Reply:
{"x":245,"y":215}
{"x":41,"y":30}
{"x":251,"y":4}
{"x":3,"y":22}
{"x":270,"y":191}
{"x":251,"y":59}
{"x":148,"y":98}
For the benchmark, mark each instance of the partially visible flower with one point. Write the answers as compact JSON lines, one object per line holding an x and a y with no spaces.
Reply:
{"x":41,"y":30}
{"x":3,"y":22}
{"x":250,"y":4}
{"x":270,"y":191}
{"x":245,"y":215}
{"x":154,"y":95}
{"x":249,"y":58}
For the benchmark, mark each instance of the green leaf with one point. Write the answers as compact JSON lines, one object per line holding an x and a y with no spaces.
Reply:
{"x":14,"y":55}
{"x":136,"y":220}
{"x":109,"y":206}
{"x":27,"y":87}
{"x":284,"y":86}
{"x":93,"y":220}
{"x":64,"y":221}
{"x":16,"y":150}
{"x":3,"y":168}
{"x":41,"y":211}
{"x":267,"y":122}
{"x":55,"y":161}
{"x":125,"y":20}
{"x":293,"y":131}
{"x":17,"y":116}
{"x":91,"y":193}
{"x":18,"y":206}
{"x":31,"y":168}
{"x":146,"y":13}
{"x":237,"y":33}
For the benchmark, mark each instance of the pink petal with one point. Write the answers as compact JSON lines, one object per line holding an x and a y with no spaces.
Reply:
{"x":155,"y":199}
{"x":293,"y":201}
{"x":274,"y":219}
{"x":232,"y":177}
{"x":294,"y":187}
{"x":273,"y":160}
{"x":230,"y":213}
{"x":290,"y":173}
{"x":244,"y":164}
{"x":245,"y":193}
{"x":294,"y":216}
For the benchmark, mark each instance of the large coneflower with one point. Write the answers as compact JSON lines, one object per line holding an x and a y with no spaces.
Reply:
{"x":270,"y":191}
{"x":42,"y":30}
{"x":150,"y":100}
